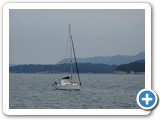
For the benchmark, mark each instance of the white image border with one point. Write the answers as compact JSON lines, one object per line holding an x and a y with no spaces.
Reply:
{"x":9,"y":6}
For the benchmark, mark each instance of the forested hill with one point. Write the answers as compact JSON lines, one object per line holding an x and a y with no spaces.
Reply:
{"x":63,"y":68}
{"x":137,"y":66}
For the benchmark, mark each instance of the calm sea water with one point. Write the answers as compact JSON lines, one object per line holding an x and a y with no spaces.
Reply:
{"x":98,"y":91}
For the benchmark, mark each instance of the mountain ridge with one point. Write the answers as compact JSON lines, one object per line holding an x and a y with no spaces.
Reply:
{"x":110,"y":60}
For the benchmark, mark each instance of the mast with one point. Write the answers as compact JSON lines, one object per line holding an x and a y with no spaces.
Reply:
{"x":71,"y":56}
{"x":74,"y":56}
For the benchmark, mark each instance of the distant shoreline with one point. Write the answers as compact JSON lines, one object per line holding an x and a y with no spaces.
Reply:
{"x":137,"y":67}
{"x":84,"y":73}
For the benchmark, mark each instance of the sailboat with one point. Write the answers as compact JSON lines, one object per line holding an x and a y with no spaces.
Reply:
{"x":68,"y":82}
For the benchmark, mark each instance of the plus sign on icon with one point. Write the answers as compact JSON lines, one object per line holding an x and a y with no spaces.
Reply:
{"x":147,"y":99}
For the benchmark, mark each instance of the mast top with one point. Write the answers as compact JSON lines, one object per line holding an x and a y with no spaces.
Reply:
{"x":69,"y":26}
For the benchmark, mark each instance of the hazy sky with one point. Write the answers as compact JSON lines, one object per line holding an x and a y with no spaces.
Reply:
{"x":39,"y":36}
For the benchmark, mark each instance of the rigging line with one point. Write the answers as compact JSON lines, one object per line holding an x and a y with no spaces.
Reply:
{"x":74,"y":55}
{"x":66,"y":56}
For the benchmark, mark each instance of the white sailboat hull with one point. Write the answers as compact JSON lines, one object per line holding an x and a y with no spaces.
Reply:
{"x":68,"y":87}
